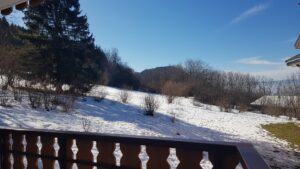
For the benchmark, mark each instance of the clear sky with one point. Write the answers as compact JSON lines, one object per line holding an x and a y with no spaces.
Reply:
{"x":253,"y":36}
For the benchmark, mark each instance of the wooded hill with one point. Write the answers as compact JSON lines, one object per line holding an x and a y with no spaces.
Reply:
{"x":57,"y":48}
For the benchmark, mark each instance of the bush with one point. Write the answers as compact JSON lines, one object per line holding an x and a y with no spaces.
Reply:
{"x":273,"y":110}
{"x":286,"y":105}
{"x":86,"y":124}
{"x":173,"y":116}
{"x":170,"y":98}
{"x":68,"y":103}
{"x":47,"y":101}
{"x":38,"y":97}
{"x":4,"y":98}
{"x":4,"y":101}
{"x":65,"y":103}
{"x":100,"y":95}
{"x":224,"y":104}
{"x":293,"y":107}
{"x":17,"y":94}
{"x":242,"y":107}
{"x":150,"y":105}
{"x":124,"y":95}
{"x":35,"y":99}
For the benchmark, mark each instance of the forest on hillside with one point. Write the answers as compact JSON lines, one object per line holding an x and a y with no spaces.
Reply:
{"x":56,"y":48}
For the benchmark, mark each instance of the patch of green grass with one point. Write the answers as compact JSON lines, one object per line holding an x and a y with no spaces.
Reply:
{"x":286,"y":131}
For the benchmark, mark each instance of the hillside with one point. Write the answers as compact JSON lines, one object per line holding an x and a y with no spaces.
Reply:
{"x":192,"y":120}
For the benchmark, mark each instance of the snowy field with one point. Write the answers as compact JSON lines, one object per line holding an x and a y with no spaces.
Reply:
{"x":193,"y":120}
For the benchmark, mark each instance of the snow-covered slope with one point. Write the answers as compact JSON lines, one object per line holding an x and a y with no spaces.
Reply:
{"x":198,"y":121}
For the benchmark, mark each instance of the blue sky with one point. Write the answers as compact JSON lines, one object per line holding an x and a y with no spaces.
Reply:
{"x":253,"y":36}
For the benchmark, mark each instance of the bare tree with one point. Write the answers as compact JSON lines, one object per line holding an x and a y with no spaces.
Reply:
{"x":194,"y":68}
{"x":287,"y":99}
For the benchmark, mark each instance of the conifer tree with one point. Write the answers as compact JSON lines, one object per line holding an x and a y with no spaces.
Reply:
{"x":66,"y":50}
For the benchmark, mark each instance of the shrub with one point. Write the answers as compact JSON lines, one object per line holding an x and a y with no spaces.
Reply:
{"x":173,"y":116}
{"x":69,"y":103}
{"x":4,"y":98}
{"x":273,"y":110}
{"x":38,"y":97}
{"x":17,"y":94}
{"x":100,"y":95}
{"x":150,"y":105}
{"x":170,"y":99}
{"x":242,"y":107}
{"x":35,"y":99}
{"x":293,"y":107}
{"x":4,"y":101}
{"x":224,"y":104}
{"x":65,"y":103}
{"x":47,"y":101}
{"x":286,"y":105}
{"x":124,"y":95}
{"x":86,"y":124}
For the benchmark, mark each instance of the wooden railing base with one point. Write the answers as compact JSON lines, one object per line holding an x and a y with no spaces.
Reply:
{"x":222,"y":155}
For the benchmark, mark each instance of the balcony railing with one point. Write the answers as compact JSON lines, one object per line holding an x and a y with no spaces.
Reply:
{"x":56,"y":149}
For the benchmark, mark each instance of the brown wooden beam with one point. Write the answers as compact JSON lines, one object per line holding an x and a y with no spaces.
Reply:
{"x":7,"y":11}
{"x":223,"y":155}
{"x":22,"y":6}
{"x":34,"y":3}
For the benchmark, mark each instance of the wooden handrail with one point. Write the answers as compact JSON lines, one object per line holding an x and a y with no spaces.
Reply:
{"x":249,"y":157}
{"x":189,"y":152}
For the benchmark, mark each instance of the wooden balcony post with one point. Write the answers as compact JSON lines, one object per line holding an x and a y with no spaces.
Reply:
{"x":3,"y":149}
{"x":69,"y":152}
{"x":225,"y":159}
{"x":106,"y":153}
{"x":18,"y":147}
{"x":84,"y":153}
{"x":48,"y":150}
{"x":189,"y":158}
{"x":130,"y":156}
{"x":158,"y":157}
{"x":32,"y":148}
{"x":62,"y":153}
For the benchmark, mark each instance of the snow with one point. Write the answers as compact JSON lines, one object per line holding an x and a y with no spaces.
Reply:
{"x":192,"y":120}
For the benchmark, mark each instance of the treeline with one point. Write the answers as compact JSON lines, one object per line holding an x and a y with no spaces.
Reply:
{"x":196,"y":79}
{"x":286,"y":100}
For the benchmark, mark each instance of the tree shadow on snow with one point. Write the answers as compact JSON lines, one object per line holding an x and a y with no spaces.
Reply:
{"x":12,"y":120}
{"x":160,"y":123}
